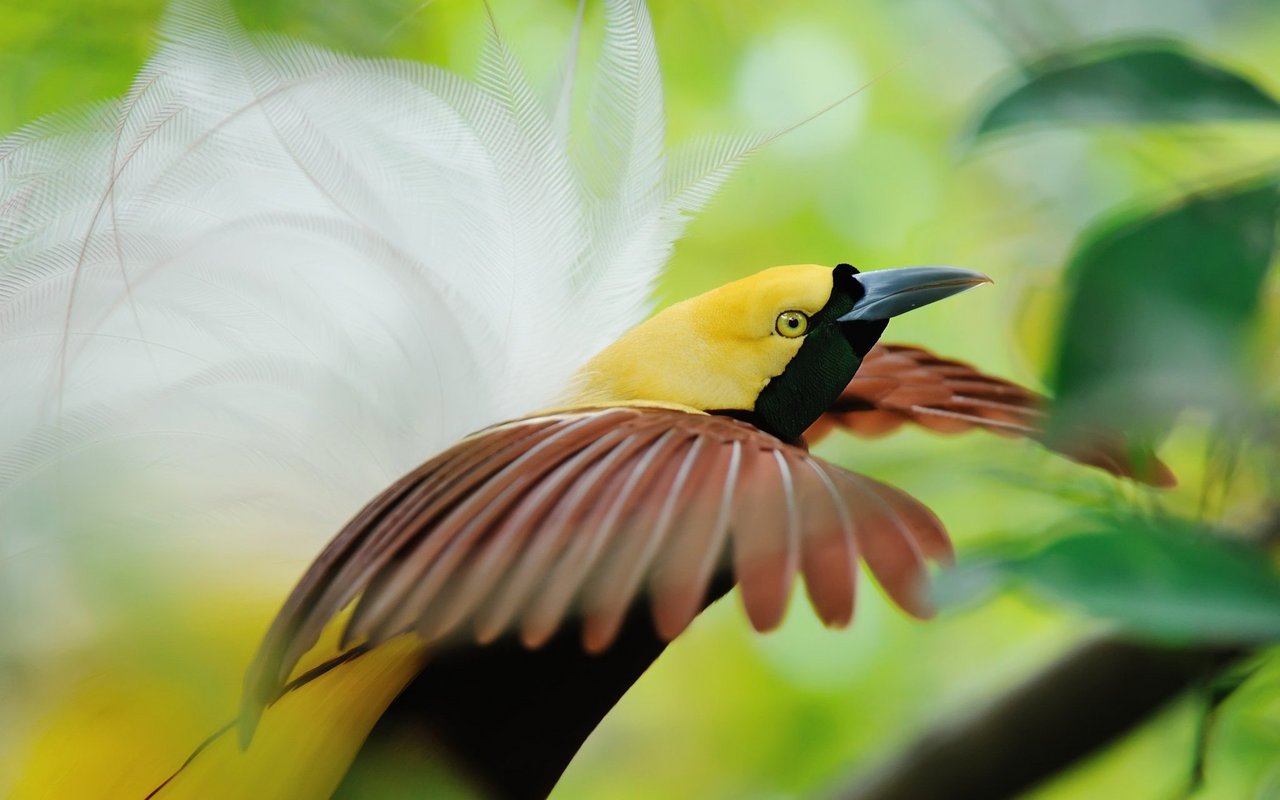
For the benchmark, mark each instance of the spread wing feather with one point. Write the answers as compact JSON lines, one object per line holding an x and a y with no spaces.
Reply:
{"x":522,"y":524}
{"x":900,"y":384}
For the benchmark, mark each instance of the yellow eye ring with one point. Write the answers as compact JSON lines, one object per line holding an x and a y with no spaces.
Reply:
{"x":792,"y":324}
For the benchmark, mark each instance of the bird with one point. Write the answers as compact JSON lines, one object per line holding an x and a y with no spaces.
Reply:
{"x":274,"y":281}
{"x":677,"y":467}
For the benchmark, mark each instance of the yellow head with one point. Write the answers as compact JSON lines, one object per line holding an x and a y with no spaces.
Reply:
{"x":776,"y":348}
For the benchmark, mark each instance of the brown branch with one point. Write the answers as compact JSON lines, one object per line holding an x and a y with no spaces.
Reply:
{"x":1078,"y":705}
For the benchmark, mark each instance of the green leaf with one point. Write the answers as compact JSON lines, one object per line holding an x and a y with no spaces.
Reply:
{"x":1129,"y":82}
{"x":1159,"y":312}
{"x":1165,"y":580}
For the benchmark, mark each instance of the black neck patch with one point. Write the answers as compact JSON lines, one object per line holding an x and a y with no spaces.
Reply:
{"x":822,"y":368}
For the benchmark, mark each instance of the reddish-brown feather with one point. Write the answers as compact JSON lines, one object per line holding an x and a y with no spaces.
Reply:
{"x":919,"y":523}
{"x":599,"y":529}
{"x":766,"y":540}
{"x":463,"y":468}
{"x":828,"y":552}
{"x":332,"y":580}
{"x":401,"y":568}
{"x":612,"y":590}
{"x":682,"y":574}
{"x":887,"y":544}
{"x":518,"y":526}
{"x":508,"y":540}
{"x":425,"y":570}
{"x":897,"y":384}
{"x":545,"y":542}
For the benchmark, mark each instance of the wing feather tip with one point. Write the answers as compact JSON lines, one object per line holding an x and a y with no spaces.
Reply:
{"x":534,"y":636}
{"x":834,"y":614}
{"x":485,"y":635}
{"x":764,"y":612}
{"x":598,"y":634}
{"x":672,"y":613}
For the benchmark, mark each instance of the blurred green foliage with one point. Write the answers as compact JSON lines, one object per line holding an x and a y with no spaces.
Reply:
{"x":1163,"y":579}
{"x":1160,"y":309}
{"x":1178,"y":291}
{"x":1127,"y":82}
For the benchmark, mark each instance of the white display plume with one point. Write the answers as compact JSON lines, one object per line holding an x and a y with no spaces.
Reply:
{"x":270,"y":279}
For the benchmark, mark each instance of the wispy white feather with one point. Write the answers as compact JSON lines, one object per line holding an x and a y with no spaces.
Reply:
{"x":271,"y":278}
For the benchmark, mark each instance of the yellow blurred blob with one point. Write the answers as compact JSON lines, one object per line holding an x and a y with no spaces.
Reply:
{"x":133,"y":728}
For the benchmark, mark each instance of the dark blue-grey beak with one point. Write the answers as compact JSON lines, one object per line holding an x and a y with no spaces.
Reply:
{"x":890,"y":292}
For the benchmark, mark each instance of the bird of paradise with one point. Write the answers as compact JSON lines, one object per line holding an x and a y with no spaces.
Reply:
{"x":272,"y":282}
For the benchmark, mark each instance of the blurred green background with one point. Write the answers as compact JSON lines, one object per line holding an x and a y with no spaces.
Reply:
{"x":892,"y":176}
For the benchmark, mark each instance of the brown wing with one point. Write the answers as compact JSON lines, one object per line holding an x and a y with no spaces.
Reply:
{"x":520,"y":524}
{"x":897,"y":384}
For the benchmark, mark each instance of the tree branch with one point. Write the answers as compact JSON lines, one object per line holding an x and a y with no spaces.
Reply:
{"x":1078,"y":705}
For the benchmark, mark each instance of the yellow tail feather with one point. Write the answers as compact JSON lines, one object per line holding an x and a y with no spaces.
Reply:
{"x":307,"y":739}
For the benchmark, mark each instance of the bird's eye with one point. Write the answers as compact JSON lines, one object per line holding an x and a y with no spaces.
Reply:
{"x":792,"y":324}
